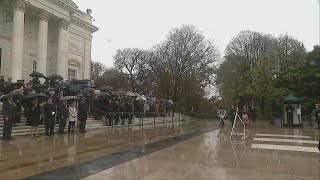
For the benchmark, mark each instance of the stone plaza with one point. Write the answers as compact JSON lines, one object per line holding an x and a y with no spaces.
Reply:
{"x":47,"y":36}
{"x":192,"y":149}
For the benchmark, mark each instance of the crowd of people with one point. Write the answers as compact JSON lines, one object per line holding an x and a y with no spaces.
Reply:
{"x":246,"y":114}
{"x":58,"y":108}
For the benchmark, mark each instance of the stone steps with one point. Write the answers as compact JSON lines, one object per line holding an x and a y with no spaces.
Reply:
{"x":91,"y":125}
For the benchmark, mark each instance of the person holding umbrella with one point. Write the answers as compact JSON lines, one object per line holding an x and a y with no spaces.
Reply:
{"x":72,"y":117}
{"x":63,"y":113}
{"x":83,"y":113}
{"x":35,"y":117}
{"x":49,"y":112}
{"x":8,"y":117}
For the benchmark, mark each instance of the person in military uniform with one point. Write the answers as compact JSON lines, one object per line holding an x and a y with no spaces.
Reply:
{"x":63,"y":112}
{"x":129,"y":110}
{"x":116,"y":111}
{"x":123,"y":113}
{"x":57,"y":100}
{"x":8,"y":118}
{"x":83,"y":113}
{"x":109,"y":115}
{"x":49,"y":112}
{"x":317,"y":115}
{"x":289,"y":109}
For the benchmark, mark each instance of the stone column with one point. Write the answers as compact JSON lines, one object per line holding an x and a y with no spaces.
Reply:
{"x":63,"y":45}
{"x":19,"y":7}
{"x":43,"y":42}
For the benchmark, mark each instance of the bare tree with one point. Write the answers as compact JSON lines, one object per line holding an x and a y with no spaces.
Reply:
{"x":249,"y":45}
{"x":112,"y":77}
{"x":184,"y":53}
{"x":128,"y":62}
{"x":97,"y":69}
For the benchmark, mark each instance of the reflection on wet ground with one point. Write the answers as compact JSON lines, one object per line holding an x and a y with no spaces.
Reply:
{"x":27,"y":157}
{"x":212,"y":156}
{"x":192,"y":150}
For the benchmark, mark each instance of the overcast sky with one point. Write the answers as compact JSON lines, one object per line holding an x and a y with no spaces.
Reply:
{"x":144,"y":23}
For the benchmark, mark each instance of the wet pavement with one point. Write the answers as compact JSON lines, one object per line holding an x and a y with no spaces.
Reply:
{"x":197,"y":149}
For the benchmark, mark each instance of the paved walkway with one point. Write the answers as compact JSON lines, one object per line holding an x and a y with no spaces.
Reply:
{"x":192,"y":150}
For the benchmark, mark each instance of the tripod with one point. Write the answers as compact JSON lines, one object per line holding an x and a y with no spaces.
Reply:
{"x":234,"y":133}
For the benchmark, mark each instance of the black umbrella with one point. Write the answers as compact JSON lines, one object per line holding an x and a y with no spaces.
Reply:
{"x":56,"y":76}
{"x":62,"y":85}
{"x":40,"y":87}
{"x":74,"y":88}
{"x":70,"y":98}
{"x":12,"y":86}
{"x":16,"y":96}
{"x":105,"y":88}
{"x":84,"y":81}
{"x":37,"y":74}
{"x":29,"y":98}
{"x":113,"y":93}
{"x":103,"y":94}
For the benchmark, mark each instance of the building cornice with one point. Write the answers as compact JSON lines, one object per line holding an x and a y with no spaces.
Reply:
{"x":84,"y":24}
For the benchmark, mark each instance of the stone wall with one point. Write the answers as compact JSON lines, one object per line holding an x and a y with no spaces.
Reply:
{"x":5,"y":41}
{"x":79,"y":56}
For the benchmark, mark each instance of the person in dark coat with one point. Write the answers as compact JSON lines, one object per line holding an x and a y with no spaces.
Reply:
{"x":98,"y":105}
{"x":252,"y":114}
{"x":289,"y":110}
{"x":317,"y":115}
{"x":50,"y":114}
{"x":8,"y":118}
{"x":116,"y":111}
{"x":35,"y":117}
{"x":27,"y":105}
{"x":17,"y":108}
{"x":83,"y":114}
{"x":129,"y":110}
{"x":63,"y":112}
{"x":123,"y":113}
{"x":232,"y":114}
{"x":57,"y":100}
{"x":109,"y":115}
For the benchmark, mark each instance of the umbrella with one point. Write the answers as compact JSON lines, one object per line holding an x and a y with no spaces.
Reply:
{"x":84,"y":81}
{"x":84,"y":86}
{"x":113,"y":93}
{"x":37,"y":74}
{"x":74,"y":88}
{"x":62,"y":85}
{"x":40,"y":87}
{"x":56,"y":76}
{"x":12,"y":86}
{"x":103,"y":94}
{"x":17,"y":96}
{"x":141,"y":98}
{"x":41,"y":98}
{"x":105,"y":88}
{"x":70,"y":98}
{"x":130,"y":94}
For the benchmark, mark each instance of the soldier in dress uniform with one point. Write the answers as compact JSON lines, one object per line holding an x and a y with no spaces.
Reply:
{"x":83,"y":113}
{"x":50,"y":114}
{"x":8,"y":118}
{"x":63,"y":112}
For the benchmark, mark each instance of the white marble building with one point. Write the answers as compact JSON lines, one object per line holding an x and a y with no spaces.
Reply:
{"x":47,"y":36}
